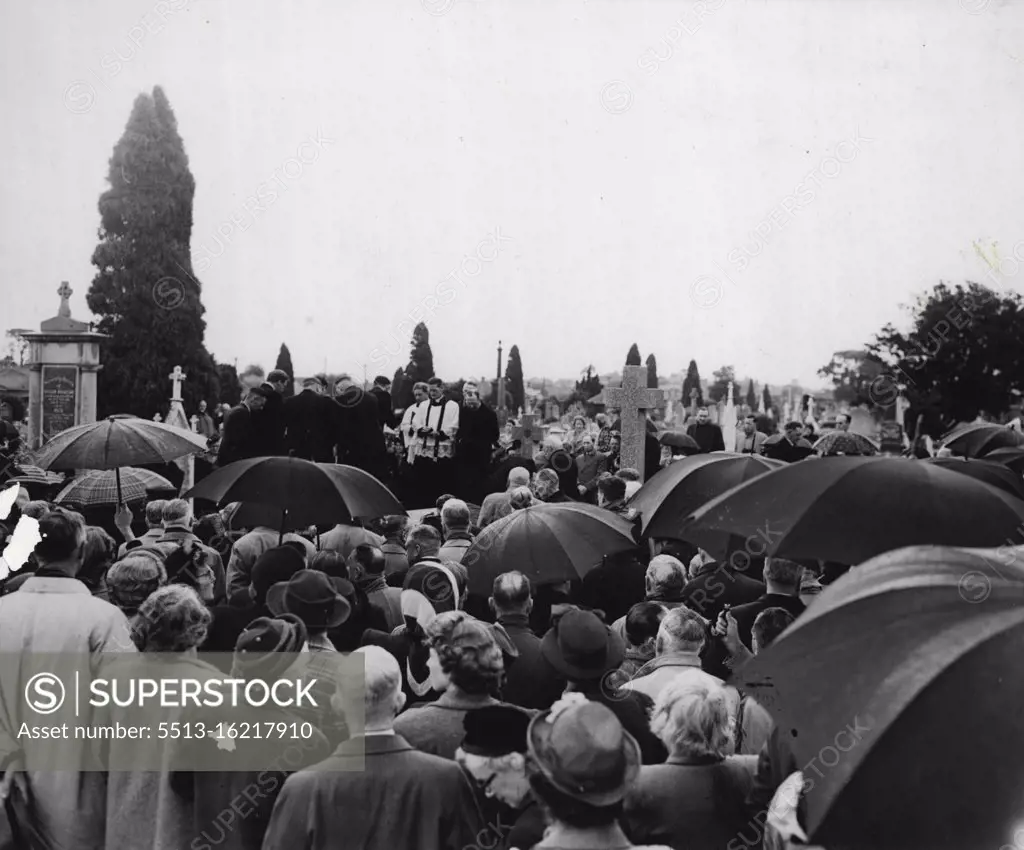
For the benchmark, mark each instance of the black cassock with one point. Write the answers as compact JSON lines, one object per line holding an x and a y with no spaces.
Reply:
{"x":310,"y":426}
{"x":475,"y":440}
{"x":359,"y":437}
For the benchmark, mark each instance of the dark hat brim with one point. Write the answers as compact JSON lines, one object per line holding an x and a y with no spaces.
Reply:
{"x":279,"y":603}
{"x":615,"y":653}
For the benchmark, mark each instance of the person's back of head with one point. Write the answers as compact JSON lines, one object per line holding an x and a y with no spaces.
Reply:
{"x":422,"y":541}
{"x":643,"y":622}
{"x":682,"y":630}
{"x":369,"y":558}
{"x":62,"y":541}
{"x":273,"y":566}
{"x":455,"y":515}
{"x":172,"y":619}
{"x":520,"y":497}
{"x":177,"y":513}
{"x":611,"y":489}
{"x":628,"y":474}
{"x":518,"y":477}
{"x":768,"y":625}
{"x":381,"y":690}
{"x":511,"y":594}
{"x":783,"y":576}
{"x":132,"y":579}
{"x":98,"y":554}
{"x":35,"y":509}
{"x":393,"y":528}
{"x":155,"y":513}
{"x":330,"y":563}
{"x":665,"y":578}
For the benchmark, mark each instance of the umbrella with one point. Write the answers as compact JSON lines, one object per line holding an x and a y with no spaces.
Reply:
{"x":1011,"y":457}
{"x":865,"y":687}
{"x":679,"y":440}
{"x":117,"y":441}
{"x":849,"y":509}
{"x":977,"y":439}
{"x":776,"y":438}
{"x":548,"y":543}
{"x":990,"y":472}
{"x":668,"y":498}
{"x":101,"y":487}
{"x":301,"y":492}
{"x":844,"y":443}
{"x":26,"y":473}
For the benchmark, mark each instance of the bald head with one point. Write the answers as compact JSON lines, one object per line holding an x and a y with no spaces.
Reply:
{"x":666,"y":577}
{"x":383,"y":697}
{"x":518,"y":477}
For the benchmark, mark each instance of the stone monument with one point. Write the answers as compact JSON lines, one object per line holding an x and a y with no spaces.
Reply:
{"x":528,"y":432}
{"x":63,"y":359}
{"x":632,"y":400}
{"x":176,"y":418}
{"x":729,"y":422}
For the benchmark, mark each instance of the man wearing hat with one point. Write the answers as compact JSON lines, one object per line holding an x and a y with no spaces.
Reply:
{"x":359,"y":438}
{"x":270,"y":422}
{"x":583,"y":763}
{"x":381,"y":390}
{"x":309,"y":426}
{"x":493,"y":753}
{"x":586,"y":652}
{"x":436,"y":424}
{"x":243,"y":437}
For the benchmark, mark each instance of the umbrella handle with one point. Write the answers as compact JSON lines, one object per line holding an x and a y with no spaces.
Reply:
{"x":284,"y":519}
{"x":117,"y":477}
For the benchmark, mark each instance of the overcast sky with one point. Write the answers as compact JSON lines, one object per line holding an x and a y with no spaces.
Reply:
{"x":594,"y":172}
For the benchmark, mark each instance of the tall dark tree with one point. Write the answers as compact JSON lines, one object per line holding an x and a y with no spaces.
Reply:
{"x":692,"y":382}
{"x":852,"y":374}
{"x":421,"y":364}
{"x":719,"y":389}
{"x":751,"y":398}
{"x":230,"y":386}
{"x":284,"y":363}
{"x":633,"y":357}
{"x":767,"y":396}
{"x":652,"y":372}
{"x":514,"y":378}
{"x":588,"y":386}
{"x":144,"y":291}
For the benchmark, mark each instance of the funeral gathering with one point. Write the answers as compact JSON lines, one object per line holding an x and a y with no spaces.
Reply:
{"x":475,"y":426}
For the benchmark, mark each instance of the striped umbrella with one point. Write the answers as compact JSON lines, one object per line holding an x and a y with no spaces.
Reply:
{"x":100,"y":487}
{"x":26,"y":473}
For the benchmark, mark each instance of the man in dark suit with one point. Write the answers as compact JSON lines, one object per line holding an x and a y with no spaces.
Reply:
{"x":792,"y":447}
{"x":530,"y":682}
{"x":714,"y":585}
{"x":309,"y":423}
{"x":474,"y":444}
{"x":782,"y":583}
{"x":242,"y":437}
{"x":359,"y":438}
{"x":270,"y":422}
{"x":381,"y":391}
{"x":706,"y":433}
{"x":376,"y":792}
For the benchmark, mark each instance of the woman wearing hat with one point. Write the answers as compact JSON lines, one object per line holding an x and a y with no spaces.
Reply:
{"x":583,"y":764}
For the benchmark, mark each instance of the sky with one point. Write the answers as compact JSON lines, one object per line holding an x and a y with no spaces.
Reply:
{"x":748,"y":183}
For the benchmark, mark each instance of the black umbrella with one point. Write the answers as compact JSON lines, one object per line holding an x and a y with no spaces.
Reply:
{"x":850,"y":509}
{"x":898,"y":692}
{"x":1011,"y":457}
{"x":980,"y":438}
{"x":990,"y":472}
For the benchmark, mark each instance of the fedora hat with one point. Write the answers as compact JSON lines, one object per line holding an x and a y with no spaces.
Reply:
{"x":581,"y":647}
{"x":583,"y":751}
{"x":312,"y":597}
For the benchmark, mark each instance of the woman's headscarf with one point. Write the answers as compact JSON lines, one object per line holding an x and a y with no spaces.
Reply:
{"x":429,"y":590}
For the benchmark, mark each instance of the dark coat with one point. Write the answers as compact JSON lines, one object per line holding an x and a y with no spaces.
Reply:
{"x":530,"y":681}
{"x":746,"y":614}
{"x":270,"y":422}
{"x":477,"y":435}
{"x":719,"y":585}
{"x":399,"y":644}
{"x":708,"y":436}
{"x":775,"y":762}
{"x":359,"y":437}
{"x":385,"y":407}
{"x":310,"y":427}
{"x":696,"y":804}
{"x":376,"y":793}
{"x":785,"y":450}
{"x":242,"y":437}
{"x":616,"y":585}
{"x":634,"y":712}
{"x":436,"y":727}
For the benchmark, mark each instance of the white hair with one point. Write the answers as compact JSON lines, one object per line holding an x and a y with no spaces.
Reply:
{"x":692,"y":717}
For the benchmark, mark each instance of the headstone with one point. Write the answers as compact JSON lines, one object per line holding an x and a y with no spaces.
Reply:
{"x":729,"y":421}
{"x":632,"y":399}
{"x":176,"y":418}
{"x":63,"y":359}
{"x":891,"y":438}
{"x":529,"y":432}
{"x":194,"y":423}
{"x":157,"y":417}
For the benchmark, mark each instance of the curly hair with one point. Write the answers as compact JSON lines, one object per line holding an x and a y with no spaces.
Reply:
{"x":520,"y":497}
{"x":172,"y":619}
{"x":692,"y":718}
{"x":98,"y":554}
{"x":132,"y":579}
{"x":468,"y":653}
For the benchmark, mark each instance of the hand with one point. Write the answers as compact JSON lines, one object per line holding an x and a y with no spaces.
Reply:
{"x":123,"y":518}
{"x":582,"y":489}
{"x":731,"y":635}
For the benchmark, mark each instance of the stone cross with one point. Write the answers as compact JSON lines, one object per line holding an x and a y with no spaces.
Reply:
{"x":194,"y":423}
{"x":65,"y":295}
{"x":528,"y":432}
{"x":632,"y":399}
{"x":157,"y":417}
{"x":176,"y":377}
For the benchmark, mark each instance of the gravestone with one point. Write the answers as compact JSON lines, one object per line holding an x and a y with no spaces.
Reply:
{"x":63,"y":359}
{"x":729,"y":421}
{"x":891,"y":438}
{"x":529,"y":432}
{"x":632,"y":400}
{"x":176,"y":418}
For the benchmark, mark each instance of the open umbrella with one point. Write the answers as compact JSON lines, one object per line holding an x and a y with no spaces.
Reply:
{"x":899,"y":689}
{"x":1011,"y":457}
{"x":980,"y":438}
{"x":679,"y":440}
{"x":115,"y":442}
{"x":844,"y":443}
{"x":668,"y":498}
{"x":990,"y":472}
{"x":850,"y":509}
{"x":302,"y":493}
{"x":100,"y":487}
{"x":26,"y":473}
{"x":548,"y":543}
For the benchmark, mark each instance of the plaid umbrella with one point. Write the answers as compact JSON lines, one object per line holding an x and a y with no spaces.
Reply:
{"x":100,"y":487}
{"x":26,"y":473}
{"x":844,"y":443}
